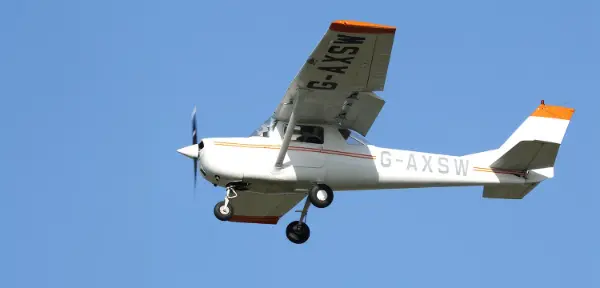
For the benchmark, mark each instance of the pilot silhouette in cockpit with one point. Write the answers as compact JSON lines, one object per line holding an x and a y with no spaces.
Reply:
{"x":308,"y":136}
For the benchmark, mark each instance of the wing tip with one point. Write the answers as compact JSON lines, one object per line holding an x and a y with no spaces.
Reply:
{"x":351,"y":26}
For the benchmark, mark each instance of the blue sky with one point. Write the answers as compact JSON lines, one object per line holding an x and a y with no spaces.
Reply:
{"x":97,"y":96}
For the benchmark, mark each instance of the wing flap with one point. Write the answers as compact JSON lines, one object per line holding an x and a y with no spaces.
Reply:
{"x":362,"y":113}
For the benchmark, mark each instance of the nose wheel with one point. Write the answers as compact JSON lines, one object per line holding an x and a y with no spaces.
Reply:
{"x":224,"y":210}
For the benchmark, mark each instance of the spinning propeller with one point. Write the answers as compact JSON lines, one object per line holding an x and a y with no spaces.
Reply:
{"x":194,"y":142}
{"x":193,"y":150}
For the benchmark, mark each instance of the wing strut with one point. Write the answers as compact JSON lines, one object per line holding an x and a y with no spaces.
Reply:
{"x":288,"y":134}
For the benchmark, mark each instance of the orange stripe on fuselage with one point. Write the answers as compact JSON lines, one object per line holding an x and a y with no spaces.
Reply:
{"x":296,"y":148}
{"x":499,"y":171}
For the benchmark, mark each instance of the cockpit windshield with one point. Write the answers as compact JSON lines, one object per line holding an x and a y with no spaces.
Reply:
{"x":264,"y":130}
{"x":353,"y":138}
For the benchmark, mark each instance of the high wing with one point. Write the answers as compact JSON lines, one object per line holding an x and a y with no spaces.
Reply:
{"x":263,"y":208}
{"x":336,"y":84}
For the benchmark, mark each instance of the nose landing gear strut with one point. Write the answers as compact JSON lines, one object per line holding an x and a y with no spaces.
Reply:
{"x":224,"y":210}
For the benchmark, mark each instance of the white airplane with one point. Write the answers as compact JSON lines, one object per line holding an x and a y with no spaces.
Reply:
{"x":331,"y":105}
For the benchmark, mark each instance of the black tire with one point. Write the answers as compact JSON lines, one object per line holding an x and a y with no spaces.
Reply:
{"x":220,"y":215}
{"x":297,"y":232}
{"x":313,"y":196}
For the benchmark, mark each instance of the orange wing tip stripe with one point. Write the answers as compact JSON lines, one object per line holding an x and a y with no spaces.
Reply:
{"x":556,"y":112}
{"x":255,"y":219}
{"x":350,"y":26}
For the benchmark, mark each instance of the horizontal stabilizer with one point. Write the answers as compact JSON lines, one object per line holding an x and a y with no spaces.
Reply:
{"x":528,"y":155}
{"x":508,"y":191}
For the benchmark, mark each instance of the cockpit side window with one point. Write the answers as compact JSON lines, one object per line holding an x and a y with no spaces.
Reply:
{"x":351,"y":137}
{"x":307,"y":134}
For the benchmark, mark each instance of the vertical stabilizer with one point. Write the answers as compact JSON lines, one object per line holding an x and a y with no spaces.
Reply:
{"x":531,"y":150}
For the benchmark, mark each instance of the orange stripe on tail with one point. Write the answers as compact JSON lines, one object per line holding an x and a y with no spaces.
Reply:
{"x":556,"y":112}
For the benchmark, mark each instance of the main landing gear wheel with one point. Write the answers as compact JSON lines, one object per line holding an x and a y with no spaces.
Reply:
{"x":297,"y":232}
{"x":223,"y":212}
{"x":320,"y":195}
